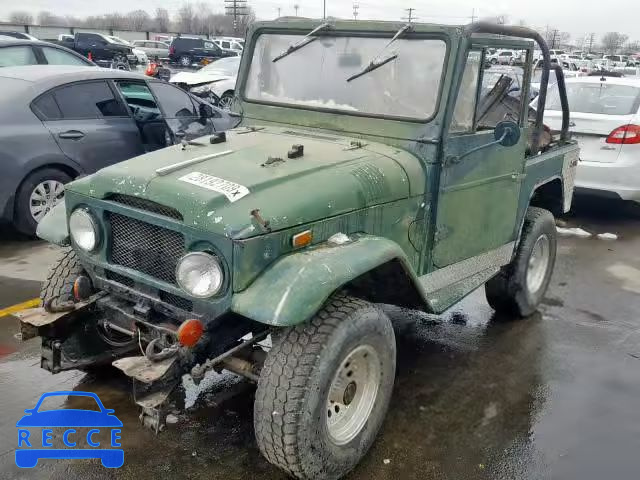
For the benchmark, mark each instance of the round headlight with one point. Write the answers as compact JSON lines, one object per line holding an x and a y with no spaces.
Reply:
{"x":199,"y":274}
{"x":83,"y":230}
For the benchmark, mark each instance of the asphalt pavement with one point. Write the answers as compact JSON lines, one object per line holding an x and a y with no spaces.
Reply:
{"x":476,"y":396}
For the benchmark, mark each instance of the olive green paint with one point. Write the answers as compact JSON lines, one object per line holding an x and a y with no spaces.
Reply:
{"x":395,"y":193}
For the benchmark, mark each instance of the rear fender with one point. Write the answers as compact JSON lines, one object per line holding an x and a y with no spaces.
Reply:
{"x":296,"y":286}
{"x":53,"y":227}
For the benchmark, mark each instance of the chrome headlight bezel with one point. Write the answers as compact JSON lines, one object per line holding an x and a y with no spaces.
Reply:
{"x":206,"y":261}
{"x":84,"y":215}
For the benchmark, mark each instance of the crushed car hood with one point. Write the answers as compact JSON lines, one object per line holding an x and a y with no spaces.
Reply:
{"x":216,"y":187}
{"x":197,"y":78}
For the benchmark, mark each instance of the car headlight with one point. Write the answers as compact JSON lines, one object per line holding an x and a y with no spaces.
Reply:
{"x":199,"y":274}
{"x":201,"y":89}
{"x":83,"y":230}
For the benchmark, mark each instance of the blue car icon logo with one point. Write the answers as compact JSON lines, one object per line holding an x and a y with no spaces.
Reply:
{"x":32,"y":446}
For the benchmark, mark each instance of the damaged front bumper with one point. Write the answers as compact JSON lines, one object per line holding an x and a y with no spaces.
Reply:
{"x":71,"y":340}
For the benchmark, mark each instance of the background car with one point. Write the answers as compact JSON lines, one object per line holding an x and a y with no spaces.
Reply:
{"x":14,"y":52}
{"x":58,"y":122}
{"x":504,"y":57}
{"x":605,"y":119}
{"x":136,"y":56}
{"x":189,"y":50}
{"x":229,"y":45}
{"x":215,"y":82}
{"x":152,"y":48}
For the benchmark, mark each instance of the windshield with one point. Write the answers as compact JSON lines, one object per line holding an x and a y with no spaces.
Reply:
{"x":600,"y":98}
{"x":226,"y":66}
{"x":405,"y":87}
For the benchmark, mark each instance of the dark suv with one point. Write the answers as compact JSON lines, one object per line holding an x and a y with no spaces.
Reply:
{"x":187,"y":50}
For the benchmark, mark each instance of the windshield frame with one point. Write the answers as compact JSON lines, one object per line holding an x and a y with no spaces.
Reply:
{"x":386,"y":34}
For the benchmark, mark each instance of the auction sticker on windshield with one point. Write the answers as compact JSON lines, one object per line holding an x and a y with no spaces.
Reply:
{"x":231,"y":190}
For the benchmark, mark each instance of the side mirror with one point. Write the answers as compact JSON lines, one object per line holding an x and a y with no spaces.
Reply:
{"x":507,"y":133}
{"x":206,"y":111}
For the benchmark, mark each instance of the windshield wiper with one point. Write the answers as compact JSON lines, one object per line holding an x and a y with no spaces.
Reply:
{"x":374,"y":64}
{"x":308,"y":38}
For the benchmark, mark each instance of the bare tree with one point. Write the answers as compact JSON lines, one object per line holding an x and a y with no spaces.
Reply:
{"x":49,"y":19}
{"x":185,"y":18}
{"x":138,"y":20}
{"x":162,"y":21}
{"x":613,"y":41}
{"x":245,"y":21}
{"x":23,"y":18}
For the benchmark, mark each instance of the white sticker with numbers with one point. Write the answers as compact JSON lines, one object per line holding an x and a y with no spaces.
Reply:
{"x":231,"y":190}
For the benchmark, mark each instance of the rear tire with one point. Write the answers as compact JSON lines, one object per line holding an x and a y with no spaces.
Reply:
{"x":324,"y":390}
{"x":24,"y":219}
{"x":520,"y":286}
{"x":185,"y":61}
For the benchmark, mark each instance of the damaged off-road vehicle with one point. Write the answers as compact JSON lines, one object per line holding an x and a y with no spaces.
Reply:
{"x":372,"y":165}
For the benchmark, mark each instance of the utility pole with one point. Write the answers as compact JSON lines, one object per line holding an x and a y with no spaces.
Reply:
{"x":355,"y":10}
{"x":473,"y":15}
{"x":324,"y":9}
{"x":279,"y":10}
{"x":592,"y":39}
{"x":236,"y":9}
{"x":296,"y":7}
{"x":409,"y":18}
{"x":553,"y":39}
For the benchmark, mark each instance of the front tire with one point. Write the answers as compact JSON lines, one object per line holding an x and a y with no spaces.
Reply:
{"x":325,"y":389}
{"x":520,"y":286}
{"x":226,"y":101}
{"x":92,"y":338}
{"x":37,"y":195}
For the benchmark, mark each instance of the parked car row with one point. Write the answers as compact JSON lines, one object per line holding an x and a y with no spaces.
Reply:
{"x":61,"y":121}
{"x":605,"y":119}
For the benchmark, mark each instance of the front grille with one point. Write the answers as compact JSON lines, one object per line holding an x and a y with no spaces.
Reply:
{"x":146,"y":248}
{"x":176,"y":301}
{"x":121,"y":279}
{"x":146,"y":205}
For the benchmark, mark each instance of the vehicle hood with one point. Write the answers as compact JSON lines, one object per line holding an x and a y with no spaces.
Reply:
{"x":195,"y":78}
{"x":333,"y":177}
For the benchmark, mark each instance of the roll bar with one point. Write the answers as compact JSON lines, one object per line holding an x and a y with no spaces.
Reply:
{"x":524,"y":32}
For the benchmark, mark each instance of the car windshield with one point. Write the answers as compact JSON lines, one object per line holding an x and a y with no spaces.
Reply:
{"x":408,"y":86}
{"x":225,"y":66}
{"x":601,"y":98}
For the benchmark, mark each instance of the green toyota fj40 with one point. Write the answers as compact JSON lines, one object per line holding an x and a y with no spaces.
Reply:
{"x":373,"y":162}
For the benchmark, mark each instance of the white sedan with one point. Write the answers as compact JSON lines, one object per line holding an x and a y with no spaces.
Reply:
{"x":605,"y":119}
{"x":217,"y":80}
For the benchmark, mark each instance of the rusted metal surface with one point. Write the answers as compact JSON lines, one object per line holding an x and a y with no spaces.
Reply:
{"x":199,"y":371}
{"x":143,"y":369}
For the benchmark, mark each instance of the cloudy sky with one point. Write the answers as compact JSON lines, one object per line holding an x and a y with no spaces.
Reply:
{"x":575,"y":16}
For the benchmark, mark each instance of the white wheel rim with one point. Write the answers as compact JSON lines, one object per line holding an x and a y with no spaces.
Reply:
{"x":538,"y":264}
{"x":352,"y":394}
{"x":225,"y":102}
{"x":44,"y":197}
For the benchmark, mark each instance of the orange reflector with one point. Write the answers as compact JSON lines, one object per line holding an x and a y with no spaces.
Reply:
{"x":190,"y":332}
{"x":302,"y":239}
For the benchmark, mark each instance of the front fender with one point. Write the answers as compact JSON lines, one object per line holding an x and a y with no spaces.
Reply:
{"x":53,"y":227}
{"x":296,"y":286}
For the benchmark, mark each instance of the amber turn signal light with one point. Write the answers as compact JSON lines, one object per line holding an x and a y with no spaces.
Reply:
{"x":302,"y":239}
{"x":189,"y":332}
